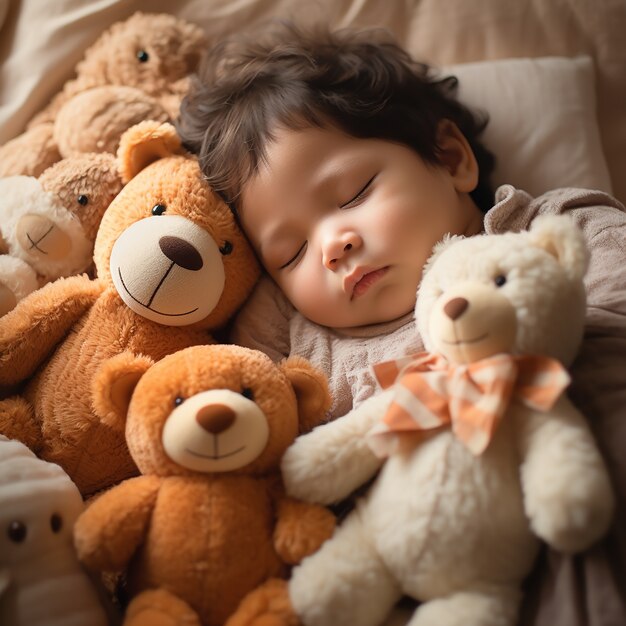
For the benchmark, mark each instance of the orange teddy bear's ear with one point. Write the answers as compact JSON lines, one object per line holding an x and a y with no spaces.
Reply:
{"x":145,"y":143}
{"x":311,"y":389}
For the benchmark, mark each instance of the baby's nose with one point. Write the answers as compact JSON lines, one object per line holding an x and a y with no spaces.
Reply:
{"x":337,"y":249}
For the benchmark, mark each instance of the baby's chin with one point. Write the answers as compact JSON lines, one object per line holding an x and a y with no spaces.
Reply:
{"x":357,"y":324}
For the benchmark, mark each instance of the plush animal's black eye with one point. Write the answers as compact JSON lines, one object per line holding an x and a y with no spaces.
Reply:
{"x":56,"y":522}
{"x":143,"y":56}
{"x":82,"y":199}
{"x":16,"y":531}
{"x":499,"y":280}
{"x":227,"y":248}
{"x":178,"y":401}
{"x":158,"y":209}
{"x":246,"y":392}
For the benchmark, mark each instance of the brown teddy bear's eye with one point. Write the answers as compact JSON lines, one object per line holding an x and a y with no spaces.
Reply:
{"x":158,"y":209}
{"x":227,"y":248}
{"x":16,"y":531}
{"x":82,"y":199}
{"x":143,"y":56}
{"x":246,"y":392}
{"x":499,"y":280}
{"x":56,"y":522}
{"x":178,"y":400}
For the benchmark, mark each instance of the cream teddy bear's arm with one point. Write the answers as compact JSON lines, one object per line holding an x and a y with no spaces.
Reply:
{"x":329,"y":463}
{"x":567,"y":491}
{"x":33,"y":328}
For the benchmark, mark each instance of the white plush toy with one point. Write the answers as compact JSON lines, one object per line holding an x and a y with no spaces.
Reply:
{"x":486,"y":454}
{"x":41,"y":581}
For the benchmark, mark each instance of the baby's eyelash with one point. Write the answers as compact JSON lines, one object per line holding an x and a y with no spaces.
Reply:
{"x":359,"y":194}
{"x":294,"y":257}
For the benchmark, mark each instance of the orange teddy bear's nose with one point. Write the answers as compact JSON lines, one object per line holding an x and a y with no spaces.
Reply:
{"x":215,"y":418}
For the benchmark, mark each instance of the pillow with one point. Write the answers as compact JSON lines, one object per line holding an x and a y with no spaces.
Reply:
{"x":542,"y":120}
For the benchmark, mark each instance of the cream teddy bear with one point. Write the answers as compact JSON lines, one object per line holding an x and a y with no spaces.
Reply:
{"x":48,"y":225}
{"x":486,"y":454}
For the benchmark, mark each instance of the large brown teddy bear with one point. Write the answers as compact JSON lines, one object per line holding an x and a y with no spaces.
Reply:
{"x":208,"y":520}
{"x":138,"y":69}
{"x":172,"y":264}
{"x":48,"y":224}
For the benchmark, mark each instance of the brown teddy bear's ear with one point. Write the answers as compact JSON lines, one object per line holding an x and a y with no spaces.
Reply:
{"x":145,"y":143}
{"x":311,"y":389}
{"x":113,"y":384}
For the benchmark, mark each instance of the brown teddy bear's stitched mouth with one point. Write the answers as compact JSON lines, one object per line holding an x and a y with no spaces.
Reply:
{"x":119,"y":273}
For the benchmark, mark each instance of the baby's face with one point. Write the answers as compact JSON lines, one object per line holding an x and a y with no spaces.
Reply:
{"x":345,"y":225}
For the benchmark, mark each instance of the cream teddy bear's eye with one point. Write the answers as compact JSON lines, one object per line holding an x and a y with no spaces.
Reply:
{"x":499,"y":280}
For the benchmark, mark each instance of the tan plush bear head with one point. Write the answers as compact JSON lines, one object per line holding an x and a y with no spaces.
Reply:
{"x":221,"y":408}
{"x":137,"y":70}
{"x":51,"y":222}
{"x":148,"y":51}
{"x":513,"y":292}
{"x":167,"y":243}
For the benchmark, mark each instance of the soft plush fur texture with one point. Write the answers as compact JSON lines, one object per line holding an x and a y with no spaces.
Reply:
{"x":51,"y":222}
{"x":80,"y":343}
{"x":456,"y":531}
{"x":207,"y":522}
{"x":136,"y":70}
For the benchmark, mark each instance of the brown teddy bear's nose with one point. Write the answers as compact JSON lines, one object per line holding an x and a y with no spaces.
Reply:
{"x":455,"y":308}
{"x":181,"y":252}
{"x":215,"y":418}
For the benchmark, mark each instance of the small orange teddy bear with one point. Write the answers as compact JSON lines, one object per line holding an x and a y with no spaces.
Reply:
{"x":208,"y":521}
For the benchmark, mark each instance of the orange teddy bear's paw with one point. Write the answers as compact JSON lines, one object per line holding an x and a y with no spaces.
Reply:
{"x":301,"y":535}
{"x":267,"y":605}
{"x":158,"y":607}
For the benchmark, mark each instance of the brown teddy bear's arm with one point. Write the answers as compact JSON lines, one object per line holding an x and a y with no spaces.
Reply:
{"x":32,"y":329}
{"x":301,"y":528}
{"x":110,"y":530}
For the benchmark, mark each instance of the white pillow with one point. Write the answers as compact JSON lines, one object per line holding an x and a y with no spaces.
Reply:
{"x":542,"y":120}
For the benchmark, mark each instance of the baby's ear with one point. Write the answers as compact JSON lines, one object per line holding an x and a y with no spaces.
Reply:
{"x":559,"y":236}
{"x":311,"y":389}
{"x":145,"y":143}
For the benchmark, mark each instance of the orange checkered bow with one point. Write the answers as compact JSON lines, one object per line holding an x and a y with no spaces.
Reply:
{"x":431,"y":393}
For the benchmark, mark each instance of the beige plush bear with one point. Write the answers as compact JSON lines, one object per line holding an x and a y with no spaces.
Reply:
{"x":49,"y":224}
{"x":486,"y":454}
{"x":136,"y":70}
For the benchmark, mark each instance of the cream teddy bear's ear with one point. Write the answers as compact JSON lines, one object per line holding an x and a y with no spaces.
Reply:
{"x":438,"y":248}
{"x":560,"y":236}
{"x":145,"y":143}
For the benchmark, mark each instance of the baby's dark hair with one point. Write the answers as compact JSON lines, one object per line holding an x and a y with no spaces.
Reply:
{"x":361,"y":82}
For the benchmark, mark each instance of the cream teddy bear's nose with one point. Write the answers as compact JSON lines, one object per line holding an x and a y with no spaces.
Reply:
{"x":455,"y":308}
